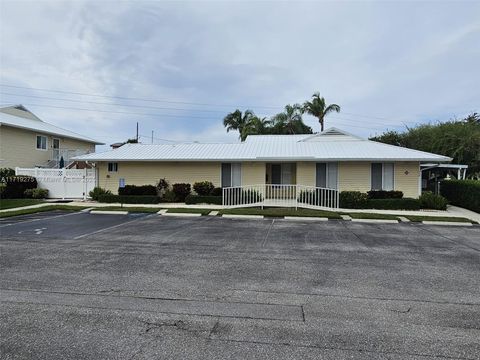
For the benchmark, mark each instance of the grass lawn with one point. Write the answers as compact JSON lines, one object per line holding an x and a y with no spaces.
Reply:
{"x":372,"y":216}
{"x":281,"y":212}
{"x":415,"y":218}
{"x":41,"y":209}
{"x":13,"y":203}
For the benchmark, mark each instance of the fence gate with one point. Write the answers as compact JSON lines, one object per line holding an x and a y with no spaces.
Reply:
{"x":63,"y":183}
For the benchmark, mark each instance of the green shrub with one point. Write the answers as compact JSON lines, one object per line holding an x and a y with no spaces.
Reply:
{"x":36,"y":193}
{"x":353,"y":200}
{"x":203,"y":188}
{"x":429,"y":200}
{"x":169,"y":196}
{"x":216,"y":191}
{"x":464,"y":193}
{"x":16,"y":186}
{"x":138,"y":190}
{"x":97,"y":192}
{"x":6,"y":172}
{"x":162,"y":186}
{"x":129,"y":199}
{"x":2,"y":188}
{"x":203,"y":199}
{"x":393,"y":204}
{"x":383,"y":194}
{"x":181,"y":191}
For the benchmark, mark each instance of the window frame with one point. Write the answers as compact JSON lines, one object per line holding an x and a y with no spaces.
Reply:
{"x":383,"y":176}
{"x":327,"y":173}
{"x":234,"y":167}
{"x":36,"y":142}
{"x":114,"y":167}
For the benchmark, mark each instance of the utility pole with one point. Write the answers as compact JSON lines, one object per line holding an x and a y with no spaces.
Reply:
{"x":137,"y":131}
{"x":152,"y":136}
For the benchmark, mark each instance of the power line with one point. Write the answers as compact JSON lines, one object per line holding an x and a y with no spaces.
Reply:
{"x":134,"y":98}
{"x":109,"y":104}
{"x":165,"y":101}
{"x":176,"y":116}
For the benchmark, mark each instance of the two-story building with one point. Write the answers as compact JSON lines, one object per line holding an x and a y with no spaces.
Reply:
{"x":27,"y":141}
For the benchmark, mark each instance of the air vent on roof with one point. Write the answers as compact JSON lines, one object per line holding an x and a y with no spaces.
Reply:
{"x":332,"y":132}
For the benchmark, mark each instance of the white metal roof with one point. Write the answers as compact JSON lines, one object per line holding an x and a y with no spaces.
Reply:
{"x":326,"y":146}
{"x":34,"y":124}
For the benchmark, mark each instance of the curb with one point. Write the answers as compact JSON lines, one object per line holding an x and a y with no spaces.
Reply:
{"x":375,"y":221}
{"x":108,"y":212}
{"x":245,"y":217}
{"x":450,"y":223}
{"x":305,"y":218}
{"x":182,"y":214}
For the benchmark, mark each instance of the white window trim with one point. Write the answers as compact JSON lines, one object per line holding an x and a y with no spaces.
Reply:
{"x":383,"y":185}
{"x":327,"y":169}
{"x":46,"y":142}
{"x":240,"y":173}
{"x":112,"y":162}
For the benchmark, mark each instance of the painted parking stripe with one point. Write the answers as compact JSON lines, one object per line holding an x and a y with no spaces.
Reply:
{"x":39,"y":218}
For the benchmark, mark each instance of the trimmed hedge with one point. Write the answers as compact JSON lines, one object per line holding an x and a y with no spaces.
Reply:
{"x":129,"y":199}
{"x":393,"y":204}
{"x":353,"y":200}
{"x":138,"y":190}
{"x":181,"y":191}
{"x":383,"y":194}
{"x":203,"y":199}
{"x":217,"y":191}
{"x":429,"y":200}
{"x":16,"y":186}
{"x":203,"y":188}
{"x":359,"y":200}
{"x":464,"y":193}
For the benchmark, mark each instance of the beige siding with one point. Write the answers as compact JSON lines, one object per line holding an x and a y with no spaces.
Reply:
{"x":18,"y":147}
{"x":354,"y":176}
{"x":407,"y":177}
{"x":253,"y":173}
{"x":142,"y":173}
{"x":306,"y":173}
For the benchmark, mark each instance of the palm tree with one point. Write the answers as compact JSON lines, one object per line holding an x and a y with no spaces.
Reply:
{"x":256,"y":126}
{"x":318,"y":108}
{"x":237,"y":121}
{"x":290,"y":121}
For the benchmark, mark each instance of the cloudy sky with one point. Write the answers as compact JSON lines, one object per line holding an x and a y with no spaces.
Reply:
{"x":178,"y":67}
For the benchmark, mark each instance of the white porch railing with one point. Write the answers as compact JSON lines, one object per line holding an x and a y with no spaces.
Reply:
{"x":280,"y":195}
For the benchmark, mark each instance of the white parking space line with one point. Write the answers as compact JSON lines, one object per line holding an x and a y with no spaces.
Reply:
{"x":40,"y":218}
{"x":110,"y":227}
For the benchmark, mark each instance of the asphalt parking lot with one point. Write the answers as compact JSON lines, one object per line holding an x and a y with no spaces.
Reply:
{"x":145,"y":286}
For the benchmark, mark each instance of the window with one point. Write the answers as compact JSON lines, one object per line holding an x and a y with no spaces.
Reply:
{"x":382,"y":176}
{"x":231,"y":174}
{"x":41,"y":142}
{"x":283,"y":173}
{"x":112,"y":167}
{"x":327,"y":175}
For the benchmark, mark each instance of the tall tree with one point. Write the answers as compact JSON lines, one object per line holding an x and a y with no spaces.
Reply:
{"x":290,"y":121}
{"x":319,"y":108}
{"x":457,"y":139}
{"x":256,"y":126}
{"x":238,"y":121}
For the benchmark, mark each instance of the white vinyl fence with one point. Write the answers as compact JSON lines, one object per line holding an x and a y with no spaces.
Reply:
{"x":281,"y":195}
{"x":62,"y":183}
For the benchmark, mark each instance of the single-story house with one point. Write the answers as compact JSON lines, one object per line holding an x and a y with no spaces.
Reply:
{"x":333,"y":159}
{"x":27,"y":141}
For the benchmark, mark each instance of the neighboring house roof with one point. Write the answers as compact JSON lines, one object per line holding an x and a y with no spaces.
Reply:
{"x":331,"y":145}
{"x":20,"y":117}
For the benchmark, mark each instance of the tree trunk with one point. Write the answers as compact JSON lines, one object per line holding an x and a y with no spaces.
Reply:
{"x":320,"y":120}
